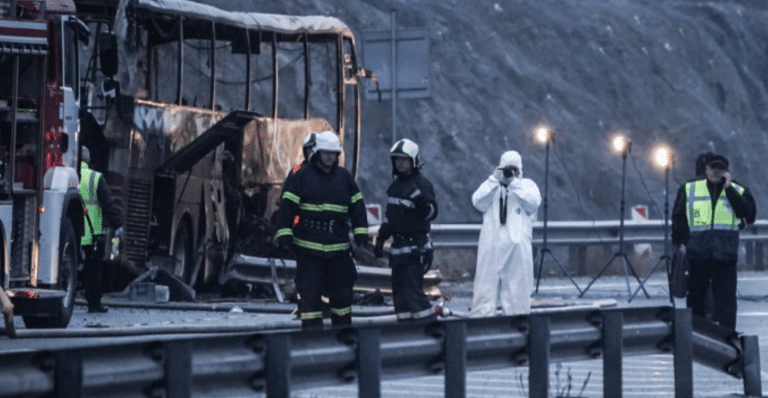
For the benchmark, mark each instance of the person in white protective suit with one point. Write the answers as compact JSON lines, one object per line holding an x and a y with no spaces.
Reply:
{"x":504,"y":274}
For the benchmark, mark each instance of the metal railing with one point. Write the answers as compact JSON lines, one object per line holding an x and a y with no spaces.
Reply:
{"x":579,"y":234}
{"x":275,"y":363}
{"x":278,"y":271}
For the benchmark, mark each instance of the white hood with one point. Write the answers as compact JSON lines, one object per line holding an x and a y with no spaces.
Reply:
{"x":511,"y":158}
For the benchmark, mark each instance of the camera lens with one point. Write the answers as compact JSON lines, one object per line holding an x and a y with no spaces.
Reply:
{"x":508,"y":172}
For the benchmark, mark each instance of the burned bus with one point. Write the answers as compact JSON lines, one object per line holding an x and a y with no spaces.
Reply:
{"x":201,"y":119}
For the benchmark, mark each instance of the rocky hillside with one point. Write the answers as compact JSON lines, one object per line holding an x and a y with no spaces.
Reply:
{"x":691,"y":74}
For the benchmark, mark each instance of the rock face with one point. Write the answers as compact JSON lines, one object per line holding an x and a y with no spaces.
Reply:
{"x":689,"y":74}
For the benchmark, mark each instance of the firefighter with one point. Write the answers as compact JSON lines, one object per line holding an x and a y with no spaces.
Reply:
{"x":327,"y":200}
{"x":306,"y":148}
{"x":705,"y":227}
{"x":411,"y":207}
{"x":99,"y":205}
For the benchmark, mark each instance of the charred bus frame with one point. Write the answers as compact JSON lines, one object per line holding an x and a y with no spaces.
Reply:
{"x":175,"y":210}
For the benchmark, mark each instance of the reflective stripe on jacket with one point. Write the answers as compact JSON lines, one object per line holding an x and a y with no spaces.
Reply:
{"x":327,"y":205}
{"x":714,"y":235}
{"x":411,"y":206}
{"x":89,"y":180}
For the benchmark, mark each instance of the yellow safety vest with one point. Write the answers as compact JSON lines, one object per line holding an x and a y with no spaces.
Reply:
{"x":699,"y":208}
{"x":89,"y":180}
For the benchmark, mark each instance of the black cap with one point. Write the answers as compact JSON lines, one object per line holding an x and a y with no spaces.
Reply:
{"x":701,"y":163}
{"x":718,"y":159}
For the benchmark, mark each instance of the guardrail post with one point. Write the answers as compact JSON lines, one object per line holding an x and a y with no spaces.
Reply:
{"x":613,"y":340}
{"x":178,"y":369}
{"x":683,"y":351}
{"x":278,"y":364}
{"x":69,"y":374}
{"x":538,"y":341}
{"x":368,"y":362}
{"x":577,"y":254}
{"x":749,"y":247}
{"x":750,"y":348}
{"x":455,"y":349}
{"x":759,"y":257}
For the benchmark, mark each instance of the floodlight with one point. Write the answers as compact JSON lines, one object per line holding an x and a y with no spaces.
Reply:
{"x":621,"y":144}
{"x":664,"y":157}
{"x":544,"y":134}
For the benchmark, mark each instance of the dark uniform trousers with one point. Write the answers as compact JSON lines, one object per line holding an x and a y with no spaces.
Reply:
{"x":408,"y":285}
{"x":332,"y":276}
{"x":724,"y":291}
{"x":92,"y":263}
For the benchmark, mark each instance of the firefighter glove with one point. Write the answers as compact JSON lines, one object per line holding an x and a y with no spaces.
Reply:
{"x":378,"y":250}
{"x":361,"y":240}
{"x":285,"y":243}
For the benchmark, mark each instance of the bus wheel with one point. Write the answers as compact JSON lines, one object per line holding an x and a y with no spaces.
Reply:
{"x":62,"y":308}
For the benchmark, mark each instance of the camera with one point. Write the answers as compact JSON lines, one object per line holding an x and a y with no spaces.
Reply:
{"x":510,"y":171}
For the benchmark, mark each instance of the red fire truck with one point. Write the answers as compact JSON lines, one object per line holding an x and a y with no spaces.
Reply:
{"x":194,"y":129}
{"x":41,"y":212}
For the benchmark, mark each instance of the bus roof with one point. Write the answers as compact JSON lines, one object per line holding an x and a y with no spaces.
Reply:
{"x":252,"y":20}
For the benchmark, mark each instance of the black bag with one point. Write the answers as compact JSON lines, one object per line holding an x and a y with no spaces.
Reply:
{"x":99,"y":250}
{"x":100,"y":247}
{"x":678,"y":275}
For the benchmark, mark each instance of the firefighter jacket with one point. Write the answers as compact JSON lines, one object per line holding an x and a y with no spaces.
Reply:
{"x":706,"y":219}
{"x":98,"y":204}
{"x":296,"y":168}
{"x":410,"y":207}
{"x":326,"y":204}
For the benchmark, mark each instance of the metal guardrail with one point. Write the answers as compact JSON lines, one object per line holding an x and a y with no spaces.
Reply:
{"x":278,"y":272}
{"x":579,"y":233}
{"x":278,"y":362}
{"x":575,"y":234}
{"x":590,"y":233}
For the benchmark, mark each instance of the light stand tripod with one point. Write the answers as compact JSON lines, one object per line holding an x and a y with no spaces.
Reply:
{"x":547,"y":136}
{"x":622,"y":145}
{"x":665,"y":258}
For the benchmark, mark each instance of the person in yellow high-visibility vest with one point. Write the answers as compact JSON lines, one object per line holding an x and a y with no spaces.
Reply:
{"x":99,"y":205}
{"x":705,"y":225}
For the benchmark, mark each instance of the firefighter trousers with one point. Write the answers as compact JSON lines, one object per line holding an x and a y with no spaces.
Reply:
{"x":333,"y":277}
{"x":408,"y":287}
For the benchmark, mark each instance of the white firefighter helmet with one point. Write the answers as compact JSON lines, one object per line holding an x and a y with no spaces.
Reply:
{"x":309,"y":142}
{"x":406,"y":148}
{"x":326,"y":141}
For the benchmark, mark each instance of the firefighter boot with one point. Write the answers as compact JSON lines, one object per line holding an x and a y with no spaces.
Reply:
{"x":341,"y":320}
{"x":312,"y":324}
